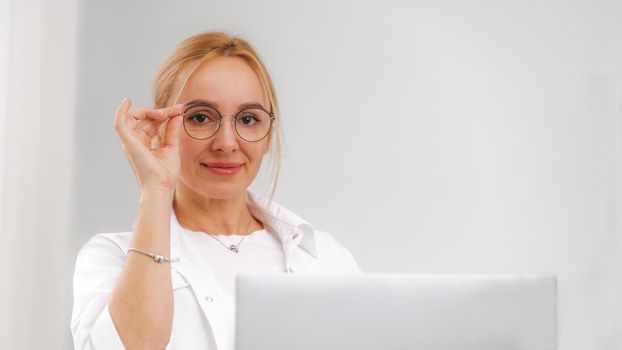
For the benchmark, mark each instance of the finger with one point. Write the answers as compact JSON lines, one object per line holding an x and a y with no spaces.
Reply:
{"x":124,"y":130}
{"x":146,"y":125}
{"x":149,"y":129}
{"x":124,"y":116}
{"x":174,"y":109}
{"x":121,"y":116}
{"x":148,"y":114}
{"x":171,"y":136}
{"x":148,"y":120}
{"x":122,"y":109}
{"x":157,"y":114}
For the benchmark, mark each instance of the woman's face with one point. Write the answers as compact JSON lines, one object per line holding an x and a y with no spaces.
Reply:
{"x":226,"y":83}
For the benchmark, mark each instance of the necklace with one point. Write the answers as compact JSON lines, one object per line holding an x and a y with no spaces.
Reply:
{"x":234,"y":247}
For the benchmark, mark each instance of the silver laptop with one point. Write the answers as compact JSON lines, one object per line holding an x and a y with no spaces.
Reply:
{"x":382,"y":312}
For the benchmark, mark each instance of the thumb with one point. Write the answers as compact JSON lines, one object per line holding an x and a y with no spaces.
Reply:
{"x":171,"y":135}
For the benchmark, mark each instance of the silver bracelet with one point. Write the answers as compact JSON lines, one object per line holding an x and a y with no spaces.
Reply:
{"x":156,"y":257}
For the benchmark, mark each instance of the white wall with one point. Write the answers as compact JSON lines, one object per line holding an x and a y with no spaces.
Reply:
{"x":5,"y":23}
{"x":445,"y":136}
{"x":38,"y":115}
{"x":5,"y":44}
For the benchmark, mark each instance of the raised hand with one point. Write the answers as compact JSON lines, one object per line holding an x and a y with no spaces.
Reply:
{"x":154,"y":157}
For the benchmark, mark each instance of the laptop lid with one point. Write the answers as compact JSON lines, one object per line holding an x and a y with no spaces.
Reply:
{"x":376,"y":311}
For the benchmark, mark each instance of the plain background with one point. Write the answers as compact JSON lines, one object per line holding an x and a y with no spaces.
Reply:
{"x":427,"y":136}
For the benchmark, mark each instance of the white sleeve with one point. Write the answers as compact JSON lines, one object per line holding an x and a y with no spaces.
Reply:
{"x":350,"y":263}
{"x":336,"y":255}
{"x":98,"y":266}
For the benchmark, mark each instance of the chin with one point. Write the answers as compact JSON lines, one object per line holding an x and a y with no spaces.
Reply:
{"x":224,"y":191}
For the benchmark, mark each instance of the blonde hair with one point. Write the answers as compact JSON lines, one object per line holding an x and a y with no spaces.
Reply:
{"x":197,"y":50}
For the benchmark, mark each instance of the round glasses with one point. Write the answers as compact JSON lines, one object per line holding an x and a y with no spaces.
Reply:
{"x":252,"y":124}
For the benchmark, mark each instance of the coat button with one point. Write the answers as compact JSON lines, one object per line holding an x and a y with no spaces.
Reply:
{"x":291,"y":269}
{"x":209,"y":299}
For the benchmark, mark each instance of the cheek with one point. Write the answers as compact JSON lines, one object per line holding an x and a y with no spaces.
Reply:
{"x":257,"y":152}
{"x":188,"y":149}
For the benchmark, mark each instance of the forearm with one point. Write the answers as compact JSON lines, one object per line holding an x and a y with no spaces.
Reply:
{"x":141,"y":304}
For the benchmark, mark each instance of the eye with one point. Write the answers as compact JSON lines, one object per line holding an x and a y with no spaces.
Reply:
{"x":247,"y":119}
{"x":201,"y":116}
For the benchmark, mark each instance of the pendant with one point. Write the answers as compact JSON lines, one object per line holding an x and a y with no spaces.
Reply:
{"x":234,"y":248}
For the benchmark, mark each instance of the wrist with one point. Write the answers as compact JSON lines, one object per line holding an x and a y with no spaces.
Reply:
{"x":158,"y":185}
{"x":157,"y":194}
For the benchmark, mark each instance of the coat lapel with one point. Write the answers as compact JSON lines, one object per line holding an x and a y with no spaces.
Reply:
{"x":298,"y":241}
{"x":217,"y":307}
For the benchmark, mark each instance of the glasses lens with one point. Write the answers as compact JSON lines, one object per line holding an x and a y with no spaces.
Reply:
{"x":201,"y":122}
{"x":253,"y":124}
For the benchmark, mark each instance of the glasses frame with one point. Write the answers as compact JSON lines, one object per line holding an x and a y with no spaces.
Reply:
{"x":233,"y":120}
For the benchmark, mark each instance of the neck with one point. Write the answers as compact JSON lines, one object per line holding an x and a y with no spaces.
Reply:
{"x":198,"y":213}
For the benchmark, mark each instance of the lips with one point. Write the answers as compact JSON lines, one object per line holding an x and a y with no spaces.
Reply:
{"x":223,"y":165}
{"x":223,"y":168}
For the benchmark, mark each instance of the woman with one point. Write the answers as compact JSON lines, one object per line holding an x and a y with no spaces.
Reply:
{"x":170,"y":282}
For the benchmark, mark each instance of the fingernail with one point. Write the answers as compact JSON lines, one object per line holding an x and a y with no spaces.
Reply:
{"x":124,"y":99}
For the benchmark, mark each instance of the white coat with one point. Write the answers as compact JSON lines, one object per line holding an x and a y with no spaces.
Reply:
{"x":203,"y":315}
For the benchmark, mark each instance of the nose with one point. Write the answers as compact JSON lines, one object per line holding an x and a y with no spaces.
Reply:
{"x":225,"y":140}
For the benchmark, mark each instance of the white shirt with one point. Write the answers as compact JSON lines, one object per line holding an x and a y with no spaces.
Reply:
{"x":203,"y":309}
{"x":260,"y":252}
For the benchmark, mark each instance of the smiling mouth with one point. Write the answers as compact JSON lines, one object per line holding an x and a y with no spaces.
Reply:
{"x":224,"y":169}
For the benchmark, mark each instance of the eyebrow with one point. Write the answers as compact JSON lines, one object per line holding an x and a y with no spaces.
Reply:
{"x":201,"y":102}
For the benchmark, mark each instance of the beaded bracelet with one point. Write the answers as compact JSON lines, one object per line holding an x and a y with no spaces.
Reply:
{"x":156,"y":257}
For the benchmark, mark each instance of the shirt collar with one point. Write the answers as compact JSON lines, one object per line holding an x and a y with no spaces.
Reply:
{"x":286,"y":225}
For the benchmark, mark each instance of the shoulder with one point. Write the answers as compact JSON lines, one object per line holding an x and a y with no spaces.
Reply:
{"x":287,"y":224}
{"x":108,"y":241}
{"x":326,"y":243}
{"x":330,"y":251}
{"x":104,"y":249}
{"x":97,"y":267}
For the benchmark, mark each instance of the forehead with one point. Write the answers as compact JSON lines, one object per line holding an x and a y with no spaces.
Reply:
{"x":227,"y":82}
